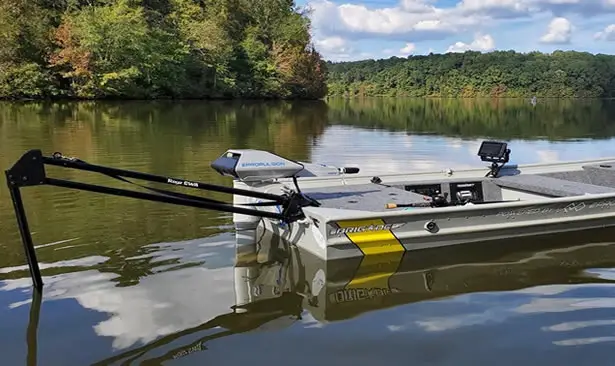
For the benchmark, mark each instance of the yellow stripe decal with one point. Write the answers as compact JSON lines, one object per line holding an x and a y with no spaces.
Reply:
{"x":383,"y":253}
{"x":372,"y":242}
{"x":375,"y":271}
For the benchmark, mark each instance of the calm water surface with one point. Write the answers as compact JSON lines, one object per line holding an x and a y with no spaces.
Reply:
{"x":135,"y":282}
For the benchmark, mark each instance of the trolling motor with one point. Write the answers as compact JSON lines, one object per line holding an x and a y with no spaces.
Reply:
{"x":253,"y":167}
{"x":249,"y":165}
{"x":29,"y":170}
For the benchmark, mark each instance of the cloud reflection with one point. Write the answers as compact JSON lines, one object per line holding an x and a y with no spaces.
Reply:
{"x":465,"y":320}
{"x":559,"y":305}
{"x":584,"y":341}
{"x":568,"y":326}
{"x":158,"y":305}
{"x":376,"y":151}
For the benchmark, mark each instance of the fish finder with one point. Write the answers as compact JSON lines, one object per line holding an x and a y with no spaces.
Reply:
{"x":494,"y":152}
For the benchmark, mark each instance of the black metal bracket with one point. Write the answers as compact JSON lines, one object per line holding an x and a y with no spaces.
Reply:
{"x":29,"y":170}
{"x":495,"y":168}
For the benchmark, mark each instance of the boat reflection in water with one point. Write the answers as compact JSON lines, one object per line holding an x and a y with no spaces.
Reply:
{"x":276,"y":283}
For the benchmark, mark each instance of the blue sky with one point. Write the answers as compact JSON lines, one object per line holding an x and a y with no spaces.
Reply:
{"x":359,"y":29}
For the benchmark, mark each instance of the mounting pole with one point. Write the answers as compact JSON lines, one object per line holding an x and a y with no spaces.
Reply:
{"x":24,"y":230}
{"x":32,"y":331}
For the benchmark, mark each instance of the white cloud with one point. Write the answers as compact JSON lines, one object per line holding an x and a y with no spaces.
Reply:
{"x":417,"y":6}
{"x":559,"y":31}
{"x":423,"y":20}
{"x":480,"y":43}
{"x":498,"y":8}
{"x":334,"y":47}
{"x":409,"y":17}
{"x":334,"y":44}
{"x":518,"y":8}
{"x":405,"y":51}
{"x":408,"y":49}
{"x":608,"y":34}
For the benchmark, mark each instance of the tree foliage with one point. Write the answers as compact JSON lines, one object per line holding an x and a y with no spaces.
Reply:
{"x":475,"y":74}
{"x":157,"y":49}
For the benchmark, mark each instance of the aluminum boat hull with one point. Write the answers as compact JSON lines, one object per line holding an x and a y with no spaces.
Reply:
{"x":548,"y":198}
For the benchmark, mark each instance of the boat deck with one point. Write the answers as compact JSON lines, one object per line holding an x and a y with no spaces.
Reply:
{"x":591,"y":179}
{"x":364,"y":197}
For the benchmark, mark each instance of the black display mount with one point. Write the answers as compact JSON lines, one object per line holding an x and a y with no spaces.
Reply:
{"x":29,"y":170}
{"x":494,"y":152}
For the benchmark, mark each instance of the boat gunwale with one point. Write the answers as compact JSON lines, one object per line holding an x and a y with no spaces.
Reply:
{"x":358,"y":214}
{"x":359,"y":176}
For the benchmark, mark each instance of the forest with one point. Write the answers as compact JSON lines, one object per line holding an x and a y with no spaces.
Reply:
{"x":563,"y":74}
{"x":211,"y":49}
{"x":149,"y":49}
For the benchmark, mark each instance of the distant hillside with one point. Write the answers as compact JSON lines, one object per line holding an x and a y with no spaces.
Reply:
{"x":475,"y":74}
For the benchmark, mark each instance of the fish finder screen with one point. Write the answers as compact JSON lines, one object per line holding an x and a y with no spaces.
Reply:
{"x":492,"y":149}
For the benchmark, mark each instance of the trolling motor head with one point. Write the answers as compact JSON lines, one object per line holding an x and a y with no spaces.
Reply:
{"x":249,"y":165}
{"x":255,"y":165}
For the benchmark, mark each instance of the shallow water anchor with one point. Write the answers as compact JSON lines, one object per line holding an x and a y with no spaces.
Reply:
{"x":16,"y":177}
{"x":29,"y":170}
{"x":26,"y":237}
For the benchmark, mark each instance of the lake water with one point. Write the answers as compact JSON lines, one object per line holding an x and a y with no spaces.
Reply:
{"x":136,"y":282}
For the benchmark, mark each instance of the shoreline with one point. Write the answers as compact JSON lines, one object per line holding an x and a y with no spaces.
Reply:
{"x":68,"y":99}
{"x":268,"y":99}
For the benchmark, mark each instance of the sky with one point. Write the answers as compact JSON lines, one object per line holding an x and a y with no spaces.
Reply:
{"x":346,"y":30}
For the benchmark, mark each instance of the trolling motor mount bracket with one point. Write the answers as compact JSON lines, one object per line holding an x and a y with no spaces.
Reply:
{"x":29,"y":170}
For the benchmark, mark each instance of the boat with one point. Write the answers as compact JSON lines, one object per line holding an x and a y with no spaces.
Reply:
{"x":277,"y":284}
{"x":348,"y":214}
{"x":337,"y":212}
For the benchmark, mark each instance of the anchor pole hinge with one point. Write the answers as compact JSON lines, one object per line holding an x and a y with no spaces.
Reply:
{"x":29,"y":170}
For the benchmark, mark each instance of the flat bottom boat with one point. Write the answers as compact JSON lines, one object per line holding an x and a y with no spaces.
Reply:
{"x":349,"y":214}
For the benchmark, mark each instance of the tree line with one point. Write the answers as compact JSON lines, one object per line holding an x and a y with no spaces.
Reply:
{"x":148,"y":49}
{"x":157,"y":49}
{"x":563,"y":74}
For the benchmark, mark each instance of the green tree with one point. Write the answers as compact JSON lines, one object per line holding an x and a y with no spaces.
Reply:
{"x":475,"y":74}
{"x":157,"y":49}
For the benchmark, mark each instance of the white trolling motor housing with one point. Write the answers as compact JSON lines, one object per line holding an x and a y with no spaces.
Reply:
{"x":249,"y":167}
{"x":256,"y":166}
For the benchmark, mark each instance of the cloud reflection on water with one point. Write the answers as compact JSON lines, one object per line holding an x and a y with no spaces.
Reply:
{"x":158,"y":305}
